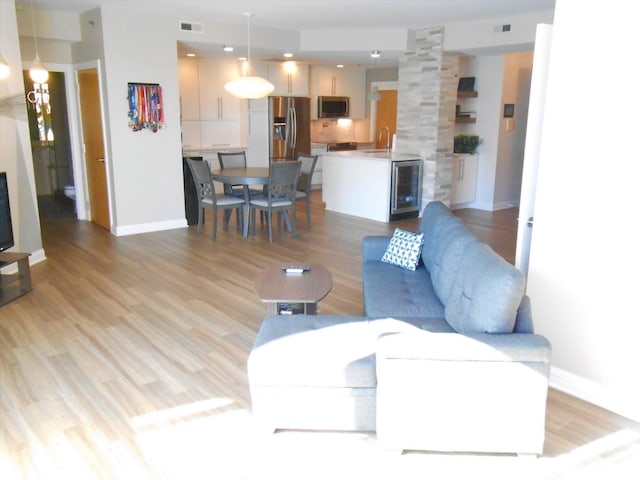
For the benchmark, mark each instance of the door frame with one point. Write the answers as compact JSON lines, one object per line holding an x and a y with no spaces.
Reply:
{"x":373,"y":108}
{"x":75,"y":137}
{"x":93,"y":64}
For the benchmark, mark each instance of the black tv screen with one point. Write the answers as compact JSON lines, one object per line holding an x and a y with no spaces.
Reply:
{"x":6,"y":230}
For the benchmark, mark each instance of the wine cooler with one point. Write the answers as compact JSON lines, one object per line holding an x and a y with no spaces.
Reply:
{"x":406,"y":189}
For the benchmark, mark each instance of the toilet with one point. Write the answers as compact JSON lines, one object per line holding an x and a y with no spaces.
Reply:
{"x":70,"y":191}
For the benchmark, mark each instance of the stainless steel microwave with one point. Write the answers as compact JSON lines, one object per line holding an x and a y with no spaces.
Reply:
{"x":333,"y":107}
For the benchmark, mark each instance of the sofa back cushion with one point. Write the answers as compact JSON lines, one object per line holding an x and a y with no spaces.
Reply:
{"x":436,"y":221}
{"x":446,"y":258}
{"x":486,"y":293}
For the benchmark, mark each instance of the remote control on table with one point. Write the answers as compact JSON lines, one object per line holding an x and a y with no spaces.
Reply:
{"x":296,"y":268}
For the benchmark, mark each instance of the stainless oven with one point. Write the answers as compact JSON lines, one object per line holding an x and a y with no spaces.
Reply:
{"x":406,"y":189}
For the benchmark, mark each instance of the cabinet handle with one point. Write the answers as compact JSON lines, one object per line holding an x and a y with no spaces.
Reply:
{"x":333,"y":85}
{"x":289,"y":83}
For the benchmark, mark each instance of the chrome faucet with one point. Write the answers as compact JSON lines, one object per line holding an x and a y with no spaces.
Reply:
{"x":386,"y":147}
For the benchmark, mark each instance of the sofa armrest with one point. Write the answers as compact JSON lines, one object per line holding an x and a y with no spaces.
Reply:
{"x":452,"y":392}
{"x":424,"y":345}
{"x":373,"y":247}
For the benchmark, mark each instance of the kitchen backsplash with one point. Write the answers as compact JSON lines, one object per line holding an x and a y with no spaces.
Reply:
{"x":329,"y":131}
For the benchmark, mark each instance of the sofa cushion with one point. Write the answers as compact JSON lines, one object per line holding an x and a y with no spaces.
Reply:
{"x":434,"y":234}
{"x":395,"y":292}
{"x":404,"y":249}
{"x":486,"y":293}
{"x":447,"y":257}
{"x":317,"y":351}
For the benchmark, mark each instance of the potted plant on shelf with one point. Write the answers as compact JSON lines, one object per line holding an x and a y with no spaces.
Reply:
{"x":463,"y":143}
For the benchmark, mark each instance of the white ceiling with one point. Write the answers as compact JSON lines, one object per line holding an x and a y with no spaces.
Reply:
{"x":319,"y":14}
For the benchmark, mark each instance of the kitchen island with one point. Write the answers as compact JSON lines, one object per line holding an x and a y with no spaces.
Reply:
{"x":359,"y":182}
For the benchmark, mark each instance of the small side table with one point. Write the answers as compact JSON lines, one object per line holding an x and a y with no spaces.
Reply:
{"x":291,"y":293}
{"x":14,"y":285}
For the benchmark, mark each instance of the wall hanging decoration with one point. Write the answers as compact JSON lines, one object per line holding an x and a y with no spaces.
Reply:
{"x":145,"y":106}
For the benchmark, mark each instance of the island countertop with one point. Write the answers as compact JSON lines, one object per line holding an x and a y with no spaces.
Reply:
{"x":379,"y":154}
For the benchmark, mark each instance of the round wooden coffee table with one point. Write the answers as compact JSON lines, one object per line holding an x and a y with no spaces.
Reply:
{"x":291,"y":293}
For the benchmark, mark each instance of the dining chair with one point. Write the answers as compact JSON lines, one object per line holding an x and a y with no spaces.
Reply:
{"x":237,"y":159}
{"x":303,"y":189}
{"x":207,"y":197}
{"x":280,"y":196}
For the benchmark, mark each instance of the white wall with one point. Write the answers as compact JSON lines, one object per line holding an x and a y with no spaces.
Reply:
{"x":515,"y":90}
{"x":146,"y":167}
{"x":484,"y":37}
{"x":15,"y":152}
{"x":488,"y":70}
{"x":584,"y":256}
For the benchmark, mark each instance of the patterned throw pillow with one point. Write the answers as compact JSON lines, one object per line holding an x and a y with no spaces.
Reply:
{"x":404,"y":249}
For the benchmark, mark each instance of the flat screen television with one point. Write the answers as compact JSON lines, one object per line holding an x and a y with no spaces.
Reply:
{"x":6,"y":230}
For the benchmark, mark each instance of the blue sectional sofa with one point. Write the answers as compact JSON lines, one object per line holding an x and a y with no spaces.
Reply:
{"x":445,"y":357}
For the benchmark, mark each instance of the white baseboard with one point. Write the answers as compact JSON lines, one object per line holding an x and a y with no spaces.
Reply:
{"x":149,"y":227}
{"x":617,"y":402}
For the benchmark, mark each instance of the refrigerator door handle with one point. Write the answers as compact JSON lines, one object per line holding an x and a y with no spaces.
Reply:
{"x":294,"y":125}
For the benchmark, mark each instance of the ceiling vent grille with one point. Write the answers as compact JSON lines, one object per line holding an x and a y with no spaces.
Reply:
{"x":191,"y":27}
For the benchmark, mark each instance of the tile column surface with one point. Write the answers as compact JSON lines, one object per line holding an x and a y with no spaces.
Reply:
{"x":427,"y":87}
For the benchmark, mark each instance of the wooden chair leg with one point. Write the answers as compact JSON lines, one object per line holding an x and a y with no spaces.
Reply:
{"x":215,"y":223}
{"x":200,"y":215}
{"x":308,"y":211}
{"x":269,"y":226}
{"x":294,"y":228}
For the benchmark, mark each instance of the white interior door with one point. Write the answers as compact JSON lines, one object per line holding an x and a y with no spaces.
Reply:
{"x":532,"y":145}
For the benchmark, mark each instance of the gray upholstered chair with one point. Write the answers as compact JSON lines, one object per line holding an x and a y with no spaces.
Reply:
{"x":303,"y":189}
{"x":207,"y":197}
{"x":280,"y":196}
{"x":236,"y":159}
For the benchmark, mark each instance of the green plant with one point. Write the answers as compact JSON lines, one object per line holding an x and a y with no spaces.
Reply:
{"x":466,"y":143}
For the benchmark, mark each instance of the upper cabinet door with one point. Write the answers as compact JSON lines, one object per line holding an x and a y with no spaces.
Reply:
{"x":344,"y":82}
{"x":215,"y":102}
{"x":289,"y":78}
{"x":189,"y":89}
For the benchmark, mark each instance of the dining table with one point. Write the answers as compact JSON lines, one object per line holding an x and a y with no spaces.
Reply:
{"x":245,"y":177}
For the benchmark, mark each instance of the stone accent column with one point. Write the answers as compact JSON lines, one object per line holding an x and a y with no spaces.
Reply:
{"x":427,"y":87}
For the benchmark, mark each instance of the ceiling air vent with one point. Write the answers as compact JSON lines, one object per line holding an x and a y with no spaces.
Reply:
{"x":191,"y":27}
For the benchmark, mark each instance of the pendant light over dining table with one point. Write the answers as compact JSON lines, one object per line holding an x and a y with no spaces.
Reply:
{"x":248,"y":86}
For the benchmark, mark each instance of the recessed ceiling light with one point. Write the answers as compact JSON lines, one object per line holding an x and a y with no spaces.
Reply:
{"x":340,"y":65}
{"x":375,"y":53}
{"x":191,"y":54}
{"x":288,"y":55}
{"x":227,"y":48}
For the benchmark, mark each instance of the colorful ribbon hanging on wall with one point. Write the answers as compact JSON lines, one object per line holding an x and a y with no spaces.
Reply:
{"x":145,"y":106}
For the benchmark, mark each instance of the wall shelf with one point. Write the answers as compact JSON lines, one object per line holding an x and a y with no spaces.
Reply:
{"x":468,"y":94}
{"x":465,"y":120}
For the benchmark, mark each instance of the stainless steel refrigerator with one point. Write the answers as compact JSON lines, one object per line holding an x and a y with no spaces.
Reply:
{"x":289,"y":127}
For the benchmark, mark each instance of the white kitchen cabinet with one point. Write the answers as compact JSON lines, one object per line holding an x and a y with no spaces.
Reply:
{"x":189,"y":91}
{"x":464,"y":174}
{"x":289,"y":82}
{"x":318,"y":149}
{"x":343,"y":82}
{"x":258,"y":129}
{"x":215,"y":102}
{"x":210,"y":116}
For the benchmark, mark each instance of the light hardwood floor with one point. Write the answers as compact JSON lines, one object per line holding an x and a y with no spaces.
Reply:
{"x":128,"y":361}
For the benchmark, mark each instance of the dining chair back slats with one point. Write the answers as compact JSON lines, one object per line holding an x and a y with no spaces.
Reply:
{"x":303,"y":189}
{"x":280,"y":195}
{"x":207,"y":197}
